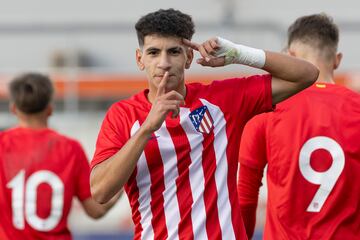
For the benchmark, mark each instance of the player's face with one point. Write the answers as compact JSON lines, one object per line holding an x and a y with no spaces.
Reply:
{"x":164,"y":54}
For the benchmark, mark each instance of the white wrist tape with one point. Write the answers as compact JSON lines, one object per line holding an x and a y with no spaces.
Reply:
{"x":240,"y":54}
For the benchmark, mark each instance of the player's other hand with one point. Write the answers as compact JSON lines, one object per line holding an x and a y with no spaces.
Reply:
{"x":211,"y":52}
{"x":164,"y":103}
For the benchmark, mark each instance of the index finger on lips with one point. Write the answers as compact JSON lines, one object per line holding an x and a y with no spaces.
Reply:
{"x":162,"y":86}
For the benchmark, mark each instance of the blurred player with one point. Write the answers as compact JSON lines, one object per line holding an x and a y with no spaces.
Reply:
{"x":312,"y":150}
{"x":40,"y":170}
{"x":174,"y":146}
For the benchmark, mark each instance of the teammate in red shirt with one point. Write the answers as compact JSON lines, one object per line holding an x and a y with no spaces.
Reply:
{"x":312,"y":151}
{"x":174,"y":146}
{"x":40,"y":170}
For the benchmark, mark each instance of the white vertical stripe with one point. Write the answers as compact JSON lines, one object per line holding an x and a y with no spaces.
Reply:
{"x":196,"y":175}
{"x":221,"y":172}
{"x":143,"y":183}
{"x":169,"y":159}
{"x":208,"y":119}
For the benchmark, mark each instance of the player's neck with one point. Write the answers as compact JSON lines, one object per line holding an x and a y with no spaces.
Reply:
{"x":326,"y":77}
{"x":33,"y":122}
{"x":326,"y":69}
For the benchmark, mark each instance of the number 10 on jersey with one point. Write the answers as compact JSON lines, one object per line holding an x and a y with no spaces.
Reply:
{"x":24,"y":198}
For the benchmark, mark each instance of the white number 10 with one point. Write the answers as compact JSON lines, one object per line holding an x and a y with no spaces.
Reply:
{"x":29,"y":189}
{"x":326,"y":179}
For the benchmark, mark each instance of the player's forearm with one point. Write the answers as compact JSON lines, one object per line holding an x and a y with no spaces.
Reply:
{"x":97,"y":210}
{"x":279,"y":65}
{"x":109,"y":177}
{"x":289,"y":75}
{"x":290,"y":69}
{"x":219,"y":51}
{"x":249,"y":183}
{"x":249,"y":216}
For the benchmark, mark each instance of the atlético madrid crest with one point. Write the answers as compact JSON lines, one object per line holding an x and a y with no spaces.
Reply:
{"x":202,"y":120}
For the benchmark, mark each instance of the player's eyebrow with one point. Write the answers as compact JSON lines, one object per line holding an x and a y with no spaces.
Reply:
{"x":151,"y":49}
{"x":177,"y":48}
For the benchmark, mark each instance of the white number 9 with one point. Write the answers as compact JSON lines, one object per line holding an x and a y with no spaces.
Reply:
{"x":326,"y":179}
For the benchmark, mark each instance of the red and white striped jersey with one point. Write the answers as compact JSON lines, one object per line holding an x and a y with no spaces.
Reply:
{"x":184,"y":184}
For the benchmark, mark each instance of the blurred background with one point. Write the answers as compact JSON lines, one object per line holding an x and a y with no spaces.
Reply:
{"x":88,"y":49}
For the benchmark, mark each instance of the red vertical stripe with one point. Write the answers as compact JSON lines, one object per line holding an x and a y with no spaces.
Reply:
{"x":205,"y":121}
{"x":210,"y":193}
{"x":185,"y":199}
{"x":153,"y":159}
{"x":133,"y":191}
{"x":237,"y":221}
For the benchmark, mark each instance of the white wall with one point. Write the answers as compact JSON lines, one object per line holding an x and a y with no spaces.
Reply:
{"x":115,"y":50}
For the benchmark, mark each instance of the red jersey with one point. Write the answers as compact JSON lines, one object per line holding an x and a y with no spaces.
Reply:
{"x":311,"y":146}
{"x":184,"y":184}
{"x":40,"y":172}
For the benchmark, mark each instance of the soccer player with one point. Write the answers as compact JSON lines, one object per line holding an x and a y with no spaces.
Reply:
{"x":174,"y":146}
{"x":40,"y":170}
{"x":312,"y":150}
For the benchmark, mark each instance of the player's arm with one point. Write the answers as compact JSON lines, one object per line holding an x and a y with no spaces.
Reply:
{"x":253,"y":159}
{"x":249,"y":184}
{"x":96,"y":210}
{"x":289,"y":74}
{"x":108,"y":177}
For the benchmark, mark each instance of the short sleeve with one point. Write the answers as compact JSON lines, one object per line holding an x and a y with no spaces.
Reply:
{"x":245,"y":97}
{"x":258,"y":94}
{"x":82,"y":175}
{"x":253,"y":143}
{"x":112,"y":136}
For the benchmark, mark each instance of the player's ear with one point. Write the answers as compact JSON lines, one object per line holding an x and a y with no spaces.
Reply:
{"x":190,"y":57}
{"x":12,"y":108}
{"x":49,"y":110}
{"x":139,"y":61}
{"x":338,"y":58}
{"x":290,"y":52}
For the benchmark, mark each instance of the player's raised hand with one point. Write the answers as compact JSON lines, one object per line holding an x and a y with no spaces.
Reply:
{"x":209,"y":51}
{"x":218,"y":52}
{"x":164,"y":103}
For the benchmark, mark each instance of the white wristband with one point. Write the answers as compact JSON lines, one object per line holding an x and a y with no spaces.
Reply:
{"x":236,"y":53}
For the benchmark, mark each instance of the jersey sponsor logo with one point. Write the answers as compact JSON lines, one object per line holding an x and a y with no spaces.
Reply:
{"x":202,"y":120}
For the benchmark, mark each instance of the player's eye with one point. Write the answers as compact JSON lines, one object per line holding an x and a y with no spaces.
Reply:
{"x":152,"y":52}
{"x":175,"y":51}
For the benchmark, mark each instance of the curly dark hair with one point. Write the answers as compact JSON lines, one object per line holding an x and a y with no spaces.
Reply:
{"x":317,"y":30}
{"x":31,"y":92}
{"x":167,"y":22}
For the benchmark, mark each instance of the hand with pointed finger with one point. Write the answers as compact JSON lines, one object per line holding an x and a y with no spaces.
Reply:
{"x":164,"y":103}
{"x":209,"y":52}
{"x":219,"y":52}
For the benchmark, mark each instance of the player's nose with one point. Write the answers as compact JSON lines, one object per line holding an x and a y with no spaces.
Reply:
{"x":164,"y":62}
